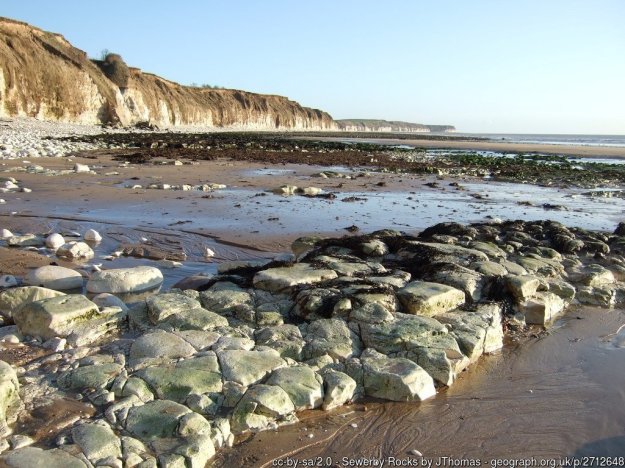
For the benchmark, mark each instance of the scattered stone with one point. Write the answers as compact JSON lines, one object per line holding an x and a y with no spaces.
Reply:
{"x":54,"y":277}
{"x":12,"y":300}
{"x":27,"y":240}
{"x":124,"y":280}
{"x":92,"y":235}
{"x":75,"y":251}
{"x":54,"y":241}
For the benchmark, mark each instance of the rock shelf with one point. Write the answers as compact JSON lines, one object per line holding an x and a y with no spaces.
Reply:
{"x":172,"y":378}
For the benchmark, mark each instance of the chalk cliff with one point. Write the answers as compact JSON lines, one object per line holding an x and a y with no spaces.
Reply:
{"x":369,"y":125}
{"x":42,"y":75}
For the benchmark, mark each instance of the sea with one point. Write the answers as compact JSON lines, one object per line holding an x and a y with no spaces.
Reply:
{"x":551,"y":139}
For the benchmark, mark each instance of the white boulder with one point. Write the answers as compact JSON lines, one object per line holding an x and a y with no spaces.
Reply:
{"x":123,"y":280}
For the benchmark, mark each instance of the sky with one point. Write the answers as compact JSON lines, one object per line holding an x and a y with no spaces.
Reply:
{"x":489,"y":66}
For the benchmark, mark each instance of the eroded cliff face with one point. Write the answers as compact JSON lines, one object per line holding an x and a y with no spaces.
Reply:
{"x":42,"y":75}
{"x":370,"y":125}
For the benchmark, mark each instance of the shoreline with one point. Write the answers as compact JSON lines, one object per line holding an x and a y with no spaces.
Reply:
{"x":552,"y":149}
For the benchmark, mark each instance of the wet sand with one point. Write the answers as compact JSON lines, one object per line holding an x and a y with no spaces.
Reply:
{"x":491,"y":145}
{"x":550,"y":397}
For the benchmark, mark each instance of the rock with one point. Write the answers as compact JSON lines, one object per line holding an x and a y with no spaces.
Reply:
{"x":177,"y":383}
{"x":331,"y":337}
{"x":424,"y":298}
{"x":303,"y":245}
{"x":54,"y":241}
{"x":56,"y":316}
{"x":429,"y":253}
{"x":96,"y":376}
{"x":280,"y":279}
{"x":92,"y":235}
{"x":124,"y":280}
{"x":97,"y":441}
{"x":33,"y":457}
{"x":8,"y":281}
{"x":285,"y":190}
{"x":522,"y":287}
{"x":261,"y":407}
{"x":490,"y":249}
{"x":27,"y":240}
{"x":302,"y":384}
{"x":248,"y":367}
{"x":156,"y":419}
{"x":423,"y":340}
{"x":286,"y":339}
{"x":469,"y":281}
{"x":5,"y":234}
{"x":592,"y":276}
{"x":563,"y":289}
{"x":602,"y":296}
{"x":54,"y":277}
{"x":541,"y":308}
{"x":490,"y":268}
{"x":75,"y":250}
{"x":109,"y":300}
{"x":9,"y":395}
{"x":12,"y":300}
{"x":226,"y":298}
{"x":395,"y":379}
{"x":81,"y":168}
{"x":160,"y":344}
{"x":478,"y":332}
{"x":374,"y":248}
{"x":339,"y":388}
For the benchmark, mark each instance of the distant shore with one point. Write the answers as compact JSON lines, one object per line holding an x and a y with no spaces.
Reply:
{"x":489,"y":145}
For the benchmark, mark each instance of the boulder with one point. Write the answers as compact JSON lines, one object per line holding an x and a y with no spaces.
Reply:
{"x":286,"y":339}
{"x":395,"y":379}
{"x":478,"y":332}
{"x":261,"y":407}
{"x":331,"y":337}
{"x":301,"y":383}
{"x":124,"y":280}
{"x":97,"y":441}
{"x":27,"y":240}
{"x":156,"y":419}
{"x":160,"y":344}
{"x":465,"y":279}
{"x":54,"y":277}
{"x":9,"y":395}
{"x":283,"y":278}
{"x":541,"y":308}
{"x":13,"y":299}
{"x":87,"y":378}
{"x":109,"y":300}
{"x":425,"y":298}
{"x":248,"y":367}
{"x":339,"y":388}
{"x":33,"y":457}
{"x":56,"y":316}
{"x":177,"y":383}
{"x":226,"y":298}
{"x":522,"y":287}
{"x":75,"y":250}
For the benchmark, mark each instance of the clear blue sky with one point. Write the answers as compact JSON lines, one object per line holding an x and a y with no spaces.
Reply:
{"x":535,"y":66}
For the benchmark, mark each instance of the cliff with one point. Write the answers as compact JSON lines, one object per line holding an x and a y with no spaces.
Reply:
{"x":369,"y":125}
{"x":42,"y":75}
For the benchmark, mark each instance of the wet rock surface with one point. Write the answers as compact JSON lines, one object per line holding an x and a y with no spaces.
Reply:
{"x":174,"y":376}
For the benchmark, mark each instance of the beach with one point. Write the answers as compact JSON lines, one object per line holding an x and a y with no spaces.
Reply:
{"x":166,"y":207}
